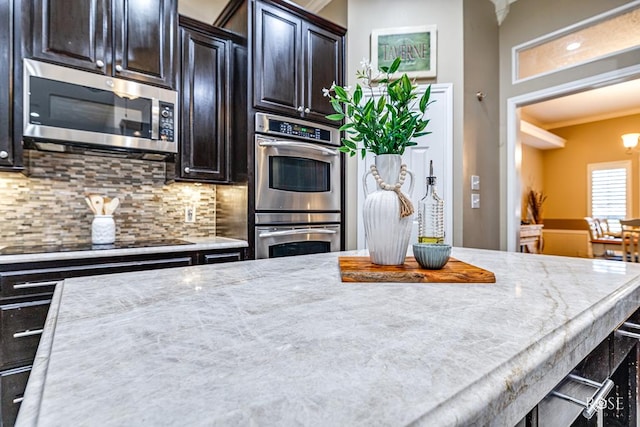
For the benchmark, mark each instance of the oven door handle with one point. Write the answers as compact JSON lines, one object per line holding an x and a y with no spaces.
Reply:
{"x":307,"y":146}
{"x":296,"y":231}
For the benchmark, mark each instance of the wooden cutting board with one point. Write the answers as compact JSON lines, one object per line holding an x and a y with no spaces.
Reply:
{"x":360,"y":269}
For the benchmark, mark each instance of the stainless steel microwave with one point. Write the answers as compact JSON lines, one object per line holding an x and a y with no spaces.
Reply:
{"x":68,"y":106}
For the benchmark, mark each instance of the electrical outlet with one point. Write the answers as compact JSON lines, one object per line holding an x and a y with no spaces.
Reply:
{"x":190,"y":214}
{"x":475,"y":182}
{"x":475,"y":201}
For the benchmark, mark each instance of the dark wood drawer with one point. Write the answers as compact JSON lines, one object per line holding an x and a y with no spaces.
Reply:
{"x":42,"y":281}
{"x":12,"y":386}
{"x":215,"y":258}
{"x":622,"y":345}
{"x":25,"y":283}
{"x":555,"y":412}
{"x":20,"y":331}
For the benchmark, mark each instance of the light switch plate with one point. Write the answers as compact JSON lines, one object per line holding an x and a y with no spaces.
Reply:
{"x":190,"y":214}
{"x":475,"y":201}
{"x":475,"y":182}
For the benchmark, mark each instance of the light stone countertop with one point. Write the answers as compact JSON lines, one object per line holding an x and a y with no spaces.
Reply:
{"x":198,"y":243}
{"x":284,"y":342}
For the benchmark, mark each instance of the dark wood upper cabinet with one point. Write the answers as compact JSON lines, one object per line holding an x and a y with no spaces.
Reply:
{"x":6,"y":143}
{"x":293,"y":60}
{"x":204,"y":90}
{"x":322,"y":66}
{"x":124,"y":38}
{"x":144,"y":38}
{"x":277,"y":71}
{"x":213,"y":108}
{"x":80,"y":39}
{"x":10,"y":150}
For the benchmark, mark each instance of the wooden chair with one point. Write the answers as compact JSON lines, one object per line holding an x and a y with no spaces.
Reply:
{"x":602,"y":246}
{"x":630,"y":240}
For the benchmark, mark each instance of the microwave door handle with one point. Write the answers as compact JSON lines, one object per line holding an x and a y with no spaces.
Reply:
{"x":325,"y":151}
{"x":155,"y":119}
{"x":297,"y":231}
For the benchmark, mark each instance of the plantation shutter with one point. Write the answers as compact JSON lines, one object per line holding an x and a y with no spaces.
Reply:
{"x":609,"y":191}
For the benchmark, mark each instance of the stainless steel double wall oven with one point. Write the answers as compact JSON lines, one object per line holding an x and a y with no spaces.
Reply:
{"x":298,"y":195}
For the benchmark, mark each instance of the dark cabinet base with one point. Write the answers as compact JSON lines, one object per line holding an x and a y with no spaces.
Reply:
{"x":12,"y":386}
{"x":25,"y":296}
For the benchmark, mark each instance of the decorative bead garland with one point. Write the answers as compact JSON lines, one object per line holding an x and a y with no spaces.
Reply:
{"x":384,"y":185}
{"x":406,"y":207}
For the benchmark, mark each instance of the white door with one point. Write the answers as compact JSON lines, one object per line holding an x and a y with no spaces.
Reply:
{"x":437,"y":146}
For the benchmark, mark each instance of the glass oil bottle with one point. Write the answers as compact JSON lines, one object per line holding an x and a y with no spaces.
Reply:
{"x":431,"y":213}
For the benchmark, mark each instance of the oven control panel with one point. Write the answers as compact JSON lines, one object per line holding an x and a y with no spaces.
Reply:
{"x":285,"y":126}
{"x":296,"y":129}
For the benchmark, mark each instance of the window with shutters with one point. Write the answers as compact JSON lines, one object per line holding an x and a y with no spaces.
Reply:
{"x":609,"y":186}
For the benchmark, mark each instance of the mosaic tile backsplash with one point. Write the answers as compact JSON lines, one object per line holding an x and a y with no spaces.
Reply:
{"x":47,"y":206}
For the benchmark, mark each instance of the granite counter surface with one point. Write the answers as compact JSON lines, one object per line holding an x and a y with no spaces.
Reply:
{"x":285,"y":342}
{"x":196,"y":244}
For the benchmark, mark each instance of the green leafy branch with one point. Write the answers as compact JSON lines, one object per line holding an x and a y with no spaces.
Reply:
{"x":383,"y":124}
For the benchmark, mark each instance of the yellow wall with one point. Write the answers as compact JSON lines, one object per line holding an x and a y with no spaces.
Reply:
{"x":532,"y":175}
{"x":565,"y":170}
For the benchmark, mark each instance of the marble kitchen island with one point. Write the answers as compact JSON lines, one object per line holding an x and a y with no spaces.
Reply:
{"x":285,"y":342}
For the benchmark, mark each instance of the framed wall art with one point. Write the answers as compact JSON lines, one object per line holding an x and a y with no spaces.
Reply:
{"x":415,"y":45}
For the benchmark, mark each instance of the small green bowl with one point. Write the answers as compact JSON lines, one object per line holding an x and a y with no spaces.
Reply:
{"x":432,"y":256}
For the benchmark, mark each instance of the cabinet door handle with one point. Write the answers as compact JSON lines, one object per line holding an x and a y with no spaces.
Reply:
{"x":100,"y":63}
{"x":303,"y":145}
{"x":623,"y":333}
{"x":296,"y":232}
{"x":300,"y":109}
{"x":189,"y":170}
{"x":18,"y":400}
{"x":3,"y":154}
{"x":27,"y":333}
{"x":34,"y":285}
{"x":307,"y":110}
{"x":119,"y":68}
{"x":591,"y":406}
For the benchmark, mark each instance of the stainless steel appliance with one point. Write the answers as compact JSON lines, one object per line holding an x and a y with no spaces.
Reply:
{"x":72,"y":107}
{"x":297,"y":234}
{"x":298,"y":188}
{"x":297,"y":165}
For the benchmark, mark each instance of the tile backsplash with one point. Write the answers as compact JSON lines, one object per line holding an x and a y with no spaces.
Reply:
{"x":46,"y":205}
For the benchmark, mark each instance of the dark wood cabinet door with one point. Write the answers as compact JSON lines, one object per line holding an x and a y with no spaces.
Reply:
{"x":21,"y":326}
{"x":204,"y":152}
{"x":12,"y":386}
{"x":73,"y":32}
{"x":323,"y":65}
{"x":6,"y":27}
{"x":277,"y":73}
{"x":145,"y":40}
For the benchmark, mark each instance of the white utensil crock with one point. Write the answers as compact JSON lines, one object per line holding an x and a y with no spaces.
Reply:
{"x":103,"y":230}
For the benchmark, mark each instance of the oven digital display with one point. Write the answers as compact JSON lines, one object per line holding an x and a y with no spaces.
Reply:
{"x":295,"y":129}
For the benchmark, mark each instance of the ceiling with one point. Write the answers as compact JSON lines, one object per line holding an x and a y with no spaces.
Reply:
{"x":314,"y":6}
{"x":617,"y":100}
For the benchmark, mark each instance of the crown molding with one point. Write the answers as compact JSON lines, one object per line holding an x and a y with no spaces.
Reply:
{"x":502,"y":9}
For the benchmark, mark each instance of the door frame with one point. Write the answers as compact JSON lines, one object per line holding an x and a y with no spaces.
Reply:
{"x":444,"y":94}
{"x":514,"y":148}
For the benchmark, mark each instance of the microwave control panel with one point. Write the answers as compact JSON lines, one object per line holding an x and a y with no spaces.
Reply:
{"x":167,"y":121}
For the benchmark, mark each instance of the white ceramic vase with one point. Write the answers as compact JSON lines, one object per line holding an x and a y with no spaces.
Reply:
{"x":386,"y":233}
{"x":103,"y":230}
